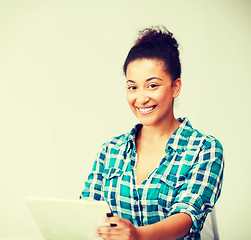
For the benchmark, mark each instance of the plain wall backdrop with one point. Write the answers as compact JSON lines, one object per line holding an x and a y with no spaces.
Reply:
{"x":62,"y":94}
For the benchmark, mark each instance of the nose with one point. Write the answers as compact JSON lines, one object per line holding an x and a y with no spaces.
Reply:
{"x":142,"y":98}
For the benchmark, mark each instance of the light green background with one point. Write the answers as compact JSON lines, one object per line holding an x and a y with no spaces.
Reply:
{"x":62,"y":94}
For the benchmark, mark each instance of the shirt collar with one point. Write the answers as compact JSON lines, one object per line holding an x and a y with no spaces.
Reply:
{"x":131,"y":138}
{"x":178,"y":141}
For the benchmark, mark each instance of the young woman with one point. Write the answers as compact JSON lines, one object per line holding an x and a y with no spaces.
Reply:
{"x":164,"y":177}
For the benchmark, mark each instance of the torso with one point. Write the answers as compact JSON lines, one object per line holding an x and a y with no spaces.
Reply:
{"x":149,"y":156}
{"x":150,"y":151}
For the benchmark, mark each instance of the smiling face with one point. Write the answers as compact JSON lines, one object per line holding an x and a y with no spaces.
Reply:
{"x":150,"y":91}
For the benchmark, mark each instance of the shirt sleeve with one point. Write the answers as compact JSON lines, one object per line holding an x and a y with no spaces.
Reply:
{"x":202,"y":186}
{"x":93,"y":189}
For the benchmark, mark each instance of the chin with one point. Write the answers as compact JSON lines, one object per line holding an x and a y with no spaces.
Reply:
{"x":145,"y":122}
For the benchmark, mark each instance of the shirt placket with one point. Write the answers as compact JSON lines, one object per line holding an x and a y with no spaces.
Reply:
{"x":136,"y":201}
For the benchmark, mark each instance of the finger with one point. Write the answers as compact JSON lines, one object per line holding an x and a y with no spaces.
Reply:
{"x":112,"y":230}
{"x":113,"y":220}
{"x":108,"y":233}
{"x":109,"y":216}
{"x":120,"y":222}
{"x":113,"y":237}
{"x":108,"y":230}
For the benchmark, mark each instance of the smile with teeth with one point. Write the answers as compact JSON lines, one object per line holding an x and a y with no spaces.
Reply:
{"x":146,"y":110}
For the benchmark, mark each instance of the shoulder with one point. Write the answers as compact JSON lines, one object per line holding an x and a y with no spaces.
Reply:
{"x":197,"y":139}
{"x":116,"y":142}
{"x":201,"y":149}
{"x":206,"y":141}
{"x":112,"y":152}
{"x":123,"y":139}
{"x":210,"y":148}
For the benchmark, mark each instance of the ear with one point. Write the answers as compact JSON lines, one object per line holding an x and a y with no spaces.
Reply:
{"x":176,"y":86}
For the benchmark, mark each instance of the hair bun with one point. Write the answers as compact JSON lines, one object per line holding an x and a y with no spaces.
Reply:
{"x":156,"y":34}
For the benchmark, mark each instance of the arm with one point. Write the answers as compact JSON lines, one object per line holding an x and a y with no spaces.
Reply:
{"x":171,"y":228}
{"x":93,"y":185}
{"x":202,"y":187}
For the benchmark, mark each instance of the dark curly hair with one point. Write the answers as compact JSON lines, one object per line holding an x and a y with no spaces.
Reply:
{"x":156,"y":43}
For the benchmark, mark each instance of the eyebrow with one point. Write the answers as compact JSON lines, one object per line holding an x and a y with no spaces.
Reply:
{"x":147,"y":80}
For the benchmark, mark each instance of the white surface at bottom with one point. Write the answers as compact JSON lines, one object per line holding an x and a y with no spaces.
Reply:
{"x":22,"y":238}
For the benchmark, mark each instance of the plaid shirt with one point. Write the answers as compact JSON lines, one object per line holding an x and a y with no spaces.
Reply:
{"x":188,"y":178}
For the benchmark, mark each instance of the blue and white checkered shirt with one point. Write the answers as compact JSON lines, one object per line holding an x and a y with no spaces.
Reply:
{"x":188,"y":178}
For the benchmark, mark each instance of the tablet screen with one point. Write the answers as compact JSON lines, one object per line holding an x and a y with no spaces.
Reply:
{"x":68,"y":219}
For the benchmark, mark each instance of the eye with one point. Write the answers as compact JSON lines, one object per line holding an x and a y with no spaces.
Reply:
{"x":131,"y":88}
{"x":152,"y":86}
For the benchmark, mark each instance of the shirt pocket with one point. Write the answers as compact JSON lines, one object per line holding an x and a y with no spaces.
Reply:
{"x":111,"y":184}
{"x":169,"y":188}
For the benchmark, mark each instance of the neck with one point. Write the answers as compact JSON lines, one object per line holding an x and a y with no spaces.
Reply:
{"x":160,"y":131}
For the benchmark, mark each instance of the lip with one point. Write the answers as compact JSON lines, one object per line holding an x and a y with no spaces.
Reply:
{"x":146,"y":110}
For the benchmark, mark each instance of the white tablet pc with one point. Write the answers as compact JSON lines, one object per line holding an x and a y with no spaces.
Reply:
{"x":60,"y":219}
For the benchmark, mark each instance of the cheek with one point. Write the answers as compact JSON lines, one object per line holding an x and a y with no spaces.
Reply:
{"x":164,"y":98}
{"x":129,"y":99}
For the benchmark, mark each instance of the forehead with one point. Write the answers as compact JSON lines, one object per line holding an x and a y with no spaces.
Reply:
{"x":146,"y":68}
